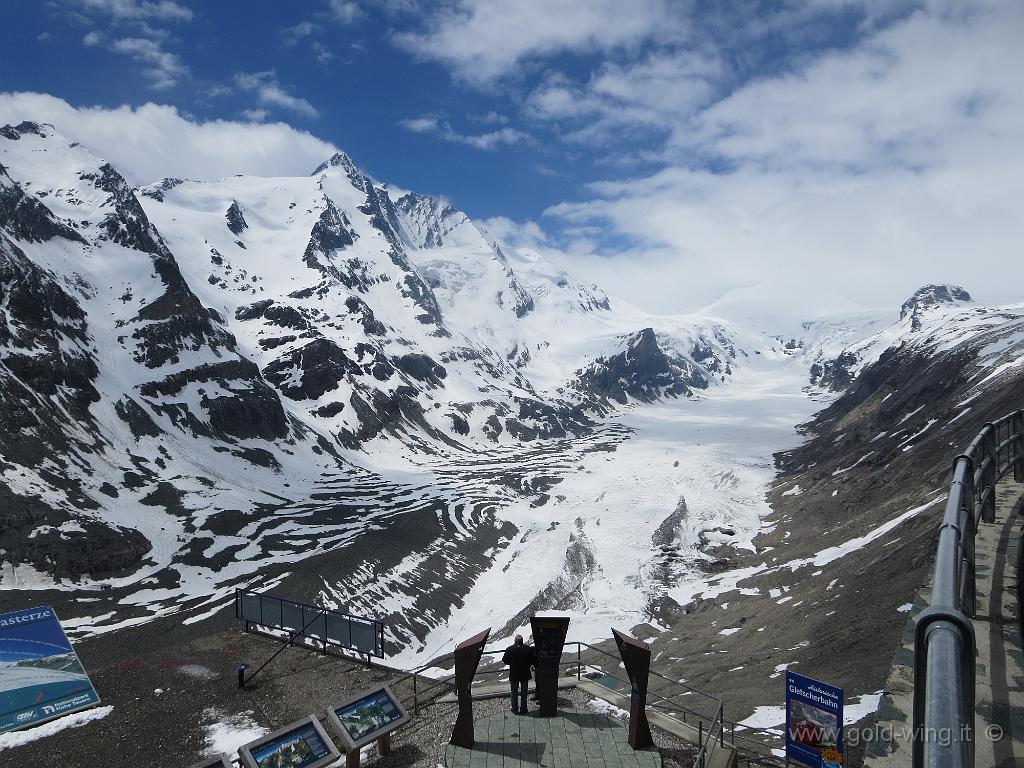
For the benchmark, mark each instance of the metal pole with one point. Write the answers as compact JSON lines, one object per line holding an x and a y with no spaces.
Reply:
{"x":578,"y":662}
{"x":944,"y":703}
{"x":1018,"y":431}
{"x":291,"y":639}
{"x":415,"y":700}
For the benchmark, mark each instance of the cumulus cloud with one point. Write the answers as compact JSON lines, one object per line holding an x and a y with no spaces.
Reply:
{"x":270,"y":93}
{"x":345,"y":11}
{"x":152,"y":141}
{"x":863,"y":173}
{"x":442,"y":128}
{"x":481,"y":40}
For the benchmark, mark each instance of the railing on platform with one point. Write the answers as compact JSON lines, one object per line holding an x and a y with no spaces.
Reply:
{"x":943,"y":719}
{"x":295,"y":620}
{"x":665,"y":694}
{"x":332,"y":628}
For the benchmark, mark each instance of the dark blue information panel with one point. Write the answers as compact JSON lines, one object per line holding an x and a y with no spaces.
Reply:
{"x":814,"y":722}
{"x":367,"y":717}
{"x":300,"y":745}
{"x":40,"y":675}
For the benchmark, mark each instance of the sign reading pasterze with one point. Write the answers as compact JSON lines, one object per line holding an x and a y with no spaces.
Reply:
{"x":814,"y":722}
{"x":40,"y":675}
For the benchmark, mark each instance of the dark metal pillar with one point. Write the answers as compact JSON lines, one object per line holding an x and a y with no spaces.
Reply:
{"x":467,"y":659}
{"x":548,"y":639}
{"x":636,"y":657}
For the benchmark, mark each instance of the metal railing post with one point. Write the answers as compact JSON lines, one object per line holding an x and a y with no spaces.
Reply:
{"x":1017,"y":425}
{"x":579,"y":662}
{"x":415,"y":698}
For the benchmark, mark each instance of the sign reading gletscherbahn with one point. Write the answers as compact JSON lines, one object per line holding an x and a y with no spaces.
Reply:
{"x":814,"y":722}
{"x":40,"y":675}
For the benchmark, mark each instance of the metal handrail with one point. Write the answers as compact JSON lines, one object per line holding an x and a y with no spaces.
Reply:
{"x":943,"y":719}
{"x":710,"y":727}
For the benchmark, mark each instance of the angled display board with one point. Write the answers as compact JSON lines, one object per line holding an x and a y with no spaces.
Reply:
{"x":221,"y":761}
{"x":40,"y":675}
{"x":814,"y":722}
{"x":303,"y":744}
{"x":367,"y":717}
{"x":354,"y":633}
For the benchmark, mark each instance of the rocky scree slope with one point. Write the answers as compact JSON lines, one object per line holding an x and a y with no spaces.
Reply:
{"x":856,"y":507}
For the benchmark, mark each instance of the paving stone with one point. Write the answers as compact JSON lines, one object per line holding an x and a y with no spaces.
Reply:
{"x":572,"y":739}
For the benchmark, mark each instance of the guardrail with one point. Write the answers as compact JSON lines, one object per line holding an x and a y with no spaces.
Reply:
{"x":943,"y":720}
{"x":666,"y":693}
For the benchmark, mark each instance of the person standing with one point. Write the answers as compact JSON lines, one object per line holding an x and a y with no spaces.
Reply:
{"x":519,"y":657}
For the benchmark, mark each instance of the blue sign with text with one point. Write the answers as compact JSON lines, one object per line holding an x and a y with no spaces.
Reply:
{"x":814,"y":722}
{"x":40,"y":675}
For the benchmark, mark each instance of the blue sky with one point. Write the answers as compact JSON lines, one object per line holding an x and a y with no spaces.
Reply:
{"x":678,"y":151}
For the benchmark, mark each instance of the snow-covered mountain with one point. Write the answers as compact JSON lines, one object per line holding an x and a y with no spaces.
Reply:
{"x":351,"y":394}
{"x":202,"y":380}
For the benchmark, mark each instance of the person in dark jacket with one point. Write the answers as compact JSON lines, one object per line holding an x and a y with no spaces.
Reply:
{"x":519,"y":657}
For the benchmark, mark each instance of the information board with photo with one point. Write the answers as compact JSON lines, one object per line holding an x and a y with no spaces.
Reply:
{"x":303,"y":744}
{"x":367,"y":717}
{"x":814,"y":722}
{"x":40,"y":675}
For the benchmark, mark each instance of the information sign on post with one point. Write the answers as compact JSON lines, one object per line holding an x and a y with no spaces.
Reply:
{"x":303,"y":744}
{"x":814,"y":722}
{"x":636,"y":658}
{"x":41,"y":677}
{"x":467,"y":659}
{"x":370,"y":716}
{"x":548,"y":639}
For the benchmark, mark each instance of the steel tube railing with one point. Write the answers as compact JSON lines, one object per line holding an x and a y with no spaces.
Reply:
{"x":943,"y":718}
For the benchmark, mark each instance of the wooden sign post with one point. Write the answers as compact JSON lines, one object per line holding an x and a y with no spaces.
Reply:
{"x":636,"y":657}
{"x":548,"y":638}
{"x":467,"y":659}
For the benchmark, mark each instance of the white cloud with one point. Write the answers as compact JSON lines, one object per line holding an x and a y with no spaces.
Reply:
{"x":152,"y":141}
{"x":164,"y":10}
{"x":163,"y":69}
{"x":482,"y":40}
{"x":655,"y":93}
{"x":345,"y":11}
{"x":863,"y":174}
{"x":442,"y":128}
{"x":270,"y":93}
{"x":294,"y":35}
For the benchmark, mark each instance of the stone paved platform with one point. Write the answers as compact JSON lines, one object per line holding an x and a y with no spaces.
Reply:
{"x":572,"y":739}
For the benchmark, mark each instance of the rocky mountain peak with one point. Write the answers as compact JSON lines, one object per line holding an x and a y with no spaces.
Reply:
{"x":930,"y":296}
{"x":15,"y":132}
{"x":337,"y":160}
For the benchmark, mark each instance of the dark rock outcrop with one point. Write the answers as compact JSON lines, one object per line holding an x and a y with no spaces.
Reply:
{"x":235,"y":218}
